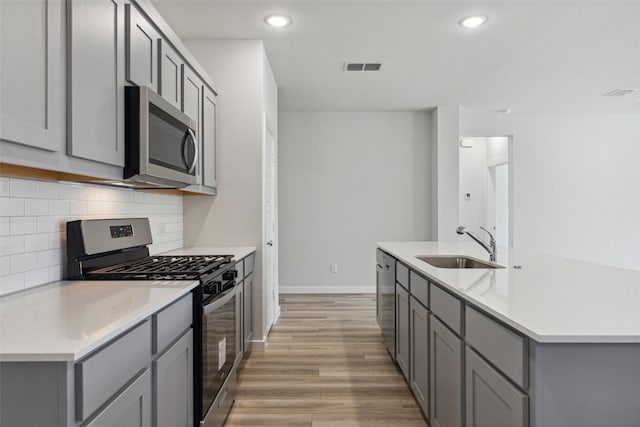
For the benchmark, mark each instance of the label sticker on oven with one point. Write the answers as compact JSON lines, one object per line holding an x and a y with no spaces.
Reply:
{"x":222,"y":351}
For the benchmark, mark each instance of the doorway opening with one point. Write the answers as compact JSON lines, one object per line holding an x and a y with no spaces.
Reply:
{"x":486,"y":186}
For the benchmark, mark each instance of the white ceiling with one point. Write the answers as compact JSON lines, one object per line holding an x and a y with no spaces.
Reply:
{"x":531,"y":56}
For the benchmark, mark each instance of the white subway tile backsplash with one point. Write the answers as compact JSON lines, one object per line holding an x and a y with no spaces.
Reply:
{"x":5,"y":186}
{"x":5,"y":225}
{"x":36,"y":277}
{"x":36,"y":242}
{"x":33,"y":256}
{"x":23,"y":188}
{"x":24,"y":262}
{"x":23,"y":225}
{"x":59,"y":207}
{"x":5,"y":265}
{"x":11,"y":207}
{"x":49,"y":258}
{"x":36,"y":207}
{"x":12,"y":283}
{"x":10,"y":245}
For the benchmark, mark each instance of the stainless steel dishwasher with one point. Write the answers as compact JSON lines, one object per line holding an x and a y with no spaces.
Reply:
{"x":386,"y":294}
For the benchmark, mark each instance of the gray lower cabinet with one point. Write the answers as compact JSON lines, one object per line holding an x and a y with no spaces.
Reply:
{"x":491,"y":400}
{"x":446,"y":372}
{"x":247,"y":310}
{"x":419,"y":353}
{"x":173,"y":379}
{"x":131,"y":408}
{"x":96,"y":81}
{"x":32,"y":105}
{"x":142,"y":49}
{"x":402,"y":329}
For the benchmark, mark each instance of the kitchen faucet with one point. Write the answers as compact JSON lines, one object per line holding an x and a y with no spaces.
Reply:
{"x":491,"y":247}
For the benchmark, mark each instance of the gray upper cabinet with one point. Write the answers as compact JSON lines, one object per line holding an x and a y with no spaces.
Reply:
{"x":192,"y":87}
{"x":170,"y":68}
{"x":419,"y":353}
{"x":402,"y":329}
{"x":492,"y":401}
{"x":446,"y":369}
{"x":142,"y":49}
{"x":209,"y":138}
{"x":96,"y":57}
{"x":174,"y":384}
{"x":132,"y":407}
{"x":32,"y":104}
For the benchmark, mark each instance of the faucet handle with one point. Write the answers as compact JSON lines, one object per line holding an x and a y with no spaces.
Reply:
{"x":492,"y":239}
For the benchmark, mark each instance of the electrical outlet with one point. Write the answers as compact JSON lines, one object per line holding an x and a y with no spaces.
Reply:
{"x":333,"y":268}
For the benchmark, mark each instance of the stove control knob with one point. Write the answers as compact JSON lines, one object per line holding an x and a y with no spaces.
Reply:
{"x":230,"y":275}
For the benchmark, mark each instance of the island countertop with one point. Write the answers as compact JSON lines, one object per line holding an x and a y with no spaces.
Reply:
{"x":65,"y":321}
{"x":549,"y":299}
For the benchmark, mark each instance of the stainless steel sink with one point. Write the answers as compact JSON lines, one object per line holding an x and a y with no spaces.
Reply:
{"x":456,"y":261}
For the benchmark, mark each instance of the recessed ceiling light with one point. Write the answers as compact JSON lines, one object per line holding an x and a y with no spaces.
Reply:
{"x":277,"y":21}
{"x":473,"y":21}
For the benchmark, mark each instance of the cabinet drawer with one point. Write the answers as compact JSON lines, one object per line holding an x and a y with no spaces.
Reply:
{"x":492,"y":401}
{"x":420,"y":289}
{"x":447,"y":307}
{"x":506,"y":350}
{"x":402,"y":275}
{"x":248,"y":265}
{"x":170,"y":323}
{"x":100,"y":376}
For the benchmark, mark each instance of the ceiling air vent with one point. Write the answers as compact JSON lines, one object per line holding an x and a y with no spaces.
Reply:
{"x":619,"y":92}
{"x":360,"y":66}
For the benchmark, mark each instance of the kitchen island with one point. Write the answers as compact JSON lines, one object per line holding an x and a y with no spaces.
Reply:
{"x":544,"y":341}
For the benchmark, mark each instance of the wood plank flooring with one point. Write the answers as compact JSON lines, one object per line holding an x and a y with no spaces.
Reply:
{"x":325,"y":366}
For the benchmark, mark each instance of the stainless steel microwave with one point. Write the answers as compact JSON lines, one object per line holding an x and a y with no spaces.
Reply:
{"x":161,"y":150}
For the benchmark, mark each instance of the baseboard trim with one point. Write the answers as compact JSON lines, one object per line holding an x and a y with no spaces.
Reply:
{"x":327,"y":289}
{"x":259,"y":345}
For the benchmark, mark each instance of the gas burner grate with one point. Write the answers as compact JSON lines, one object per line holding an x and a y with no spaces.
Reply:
{"x":171,"y":267}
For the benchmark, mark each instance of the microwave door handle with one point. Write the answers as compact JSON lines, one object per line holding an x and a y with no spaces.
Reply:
{"x":194,"y":141}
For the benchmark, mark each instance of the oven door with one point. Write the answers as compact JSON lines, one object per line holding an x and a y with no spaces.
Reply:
{"x":218,"y":345}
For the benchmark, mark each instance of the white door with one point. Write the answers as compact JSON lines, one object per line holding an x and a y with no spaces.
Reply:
{"x":499,"y":176}
{"x":270,"y":223}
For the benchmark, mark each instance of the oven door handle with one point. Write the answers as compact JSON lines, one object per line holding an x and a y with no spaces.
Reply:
{"x":219,"y":302}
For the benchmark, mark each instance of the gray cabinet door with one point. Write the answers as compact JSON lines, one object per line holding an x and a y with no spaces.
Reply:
{"x":131,"y":408}
{"x":419,"y":353}
{"x":142,"y":49}
{"x":170,"y":73}
{"x":239,"y":320}
{"x":96,"y":66}
{"x":445,"y":375}
{"x":379,"y":279}
{"x":192,"y":106}
{"x":209,"y":138}
{"x":492,"y":401}
{"x":402,"y":329}
{"x":173,"y":392}
{"x":247,"y":324}
{"x":32,"y":104}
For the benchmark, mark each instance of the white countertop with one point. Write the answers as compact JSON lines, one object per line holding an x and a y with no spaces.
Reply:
{"x":550,"y":299}
{"x":64,"y":321}
{"x":238,"y":252}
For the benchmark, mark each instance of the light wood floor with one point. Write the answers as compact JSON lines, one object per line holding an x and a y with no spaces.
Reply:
{"x":325,"y":365}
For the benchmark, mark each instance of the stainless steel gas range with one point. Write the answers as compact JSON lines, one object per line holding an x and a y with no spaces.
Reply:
{"x":117,"y":249}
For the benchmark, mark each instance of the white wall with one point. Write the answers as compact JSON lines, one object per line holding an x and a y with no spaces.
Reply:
{"x":33,"y":217}
{"x":234,"y":217}
{"x":575,"y":183}
{"x":445,"y":143}
{"x":346,"y":180}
